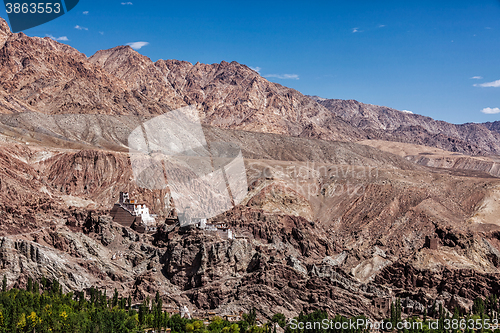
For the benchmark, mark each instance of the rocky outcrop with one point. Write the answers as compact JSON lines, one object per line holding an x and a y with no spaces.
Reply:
{"x":493,"y":126}
{"x":468,"y":284}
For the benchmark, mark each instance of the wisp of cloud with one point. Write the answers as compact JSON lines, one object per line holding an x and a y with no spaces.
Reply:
{"x":137,"y":45}
{"x":491,"y":110}
{"x":494,"y":84}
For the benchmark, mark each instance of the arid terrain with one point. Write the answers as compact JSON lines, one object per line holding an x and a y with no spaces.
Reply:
{"x":341,"y":195}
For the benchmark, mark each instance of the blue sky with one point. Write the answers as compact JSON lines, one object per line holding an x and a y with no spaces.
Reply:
{"x":436,"y":58}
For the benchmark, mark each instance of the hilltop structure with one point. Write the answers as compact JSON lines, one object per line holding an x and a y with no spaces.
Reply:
{"x":131,"y":214}
{"x":219,"y":228}
{"x":431,"y":242}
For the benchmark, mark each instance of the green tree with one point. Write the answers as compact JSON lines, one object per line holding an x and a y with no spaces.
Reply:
{"x":44,"y":283}
{"x":234,"y":328}
{"x":2,"y":323}
{"x":158,"y":314}
{"x":250,"y":317}
{"x":29,"y":286}
{"x":478,"y":307}
{"x":55,"y":287}
{"x":216,"y":325}
{"x":189,"y":327}
{"x":279,"y":319}
{"x":115,"y":299}
{"x":142,"y":315}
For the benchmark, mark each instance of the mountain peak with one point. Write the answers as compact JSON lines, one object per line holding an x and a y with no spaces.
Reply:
{"x":4,"y":31}
{"x":317,"y":98}
{"x":123,"y":48}
{"x":4,"y":27}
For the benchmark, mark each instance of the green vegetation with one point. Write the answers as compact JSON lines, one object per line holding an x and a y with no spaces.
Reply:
{"x":44,"y":308}
{"x":53,"y":311}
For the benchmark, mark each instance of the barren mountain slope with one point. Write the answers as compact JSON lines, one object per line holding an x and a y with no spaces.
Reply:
{"x":54,"y":78}
{"x":384,"y":123}
{"x":63,"y":149}
{"x":112,"y":132}
{"x":139,"y":73}
{"x":229,"y":95}
{"x":438,"y":158}
{"x":321,"y":230}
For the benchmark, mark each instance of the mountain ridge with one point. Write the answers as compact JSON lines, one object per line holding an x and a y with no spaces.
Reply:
{"x":43,"y":75}
{"x":384,"y":123}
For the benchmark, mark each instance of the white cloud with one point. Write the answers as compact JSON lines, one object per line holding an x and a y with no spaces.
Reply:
{"x":137,"y":45}
{"x":62,"y":38}
{"x":80,"y":28}
{"x":127,"y":3}
{"x":86,"y":12}
{"x":284,"y":76}
{"x":477,"y":77}
{"x":354,"y":30}
{"x":494,"y":84}
{"x":406,"y":111}
{"x":257,"y":69}
{"x":490,"y":110}
{"x":381,"y":25}
{"x":101,"y":32}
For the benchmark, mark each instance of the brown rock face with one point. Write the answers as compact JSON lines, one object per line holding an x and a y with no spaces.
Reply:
{"x":493,"y":126}
{"x":465,"y":283}
{"x":139,"y":74}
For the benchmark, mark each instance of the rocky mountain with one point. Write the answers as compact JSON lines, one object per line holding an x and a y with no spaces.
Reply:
{"x":42,"y":75}
{"x":228,"y":95}
{"x":383,"y":123}
{"x":39,"y":74}
{"x":54,"y":78}
{"x":325,"y":224}
{"x":493,"y":126}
